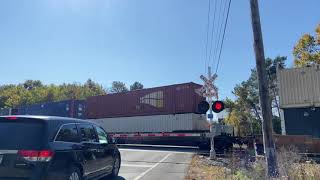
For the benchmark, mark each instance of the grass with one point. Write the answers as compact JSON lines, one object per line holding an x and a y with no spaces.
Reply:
{"x":291,"y":167}
{"x":199,"y":170}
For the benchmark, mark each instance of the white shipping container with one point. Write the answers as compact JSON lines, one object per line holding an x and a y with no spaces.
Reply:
{"x":299,"y":87}
{"x":155,"y":123}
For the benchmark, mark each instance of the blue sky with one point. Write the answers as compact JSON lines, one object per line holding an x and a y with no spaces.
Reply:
{"x":158,"y":42}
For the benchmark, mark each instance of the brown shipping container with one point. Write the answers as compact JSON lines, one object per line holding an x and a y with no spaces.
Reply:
{"x":174,"y":99}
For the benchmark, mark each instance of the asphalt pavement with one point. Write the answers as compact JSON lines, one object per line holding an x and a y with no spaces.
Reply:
{"x":154,"y":163}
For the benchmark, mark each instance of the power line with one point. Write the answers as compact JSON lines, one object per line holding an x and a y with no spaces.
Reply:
{"x":219,"y":31}
{"x":212,"y":31}
{"x":224,"y":32}
{"x":208,"y":26}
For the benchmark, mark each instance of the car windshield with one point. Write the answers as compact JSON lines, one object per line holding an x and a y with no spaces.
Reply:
{"x":20,"y":134}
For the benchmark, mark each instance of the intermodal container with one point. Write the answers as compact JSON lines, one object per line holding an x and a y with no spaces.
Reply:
{"x":155,"y":123}
{"x":68,"y":108}
{"x":299,"y":87}
{"x":174,"y":99}
{"x":302,"y":121}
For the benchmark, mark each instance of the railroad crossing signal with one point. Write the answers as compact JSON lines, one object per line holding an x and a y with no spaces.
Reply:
{"x":209,"y":90}
{"x":203,"y":107}
{"x":217,"y":106}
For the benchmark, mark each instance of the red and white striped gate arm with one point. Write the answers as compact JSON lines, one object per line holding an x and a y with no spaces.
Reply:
{"x":156,"y":135}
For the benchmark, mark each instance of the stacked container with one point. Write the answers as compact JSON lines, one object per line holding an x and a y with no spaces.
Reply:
{"x":174,"y":99}
{"x":299,"y":91}
{"x":68,"y":108}
{"x":161,"y":109}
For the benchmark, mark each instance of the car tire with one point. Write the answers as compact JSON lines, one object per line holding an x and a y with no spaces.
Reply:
{"x":116,"y":166}
{"x":74,"y":174}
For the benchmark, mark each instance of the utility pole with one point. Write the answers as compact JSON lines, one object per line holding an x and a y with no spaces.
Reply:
{"x":267,"y":130}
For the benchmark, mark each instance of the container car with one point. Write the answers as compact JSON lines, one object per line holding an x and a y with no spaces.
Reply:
{"x":67,"y":108}
{"x":173,"y":99}
{"x":162,"y":115}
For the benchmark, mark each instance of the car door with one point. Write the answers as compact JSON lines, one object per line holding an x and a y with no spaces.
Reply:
{"x":104,"y":151}
{"x":89,"y":147}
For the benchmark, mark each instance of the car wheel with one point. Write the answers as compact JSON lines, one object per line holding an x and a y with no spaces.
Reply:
{"x":74,"y":174}
{"x":116,"y":166}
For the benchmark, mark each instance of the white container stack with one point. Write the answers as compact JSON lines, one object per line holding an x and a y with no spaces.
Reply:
{"x":155,"y":123}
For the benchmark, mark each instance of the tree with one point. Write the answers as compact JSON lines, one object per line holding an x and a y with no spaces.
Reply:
{"x":252,"y":84}
{"x":32,"y":92}
{"x":30,"y":84}
{"x":135,"y":86}
{"x":92,"y":88}
{"x":240,"y":119}
{"x":307,"y":50}
{"x":118,"y":87}
{"x":247,"y":107}
{"x":272,"y":78}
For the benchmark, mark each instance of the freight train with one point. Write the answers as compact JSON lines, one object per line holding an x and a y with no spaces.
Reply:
{"x":162,"y":115}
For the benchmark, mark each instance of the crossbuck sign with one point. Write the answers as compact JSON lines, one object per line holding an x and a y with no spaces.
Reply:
{"x":208,"y":89}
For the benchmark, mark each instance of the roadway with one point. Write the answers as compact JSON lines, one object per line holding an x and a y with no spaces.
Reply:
{"x":154,"y":163}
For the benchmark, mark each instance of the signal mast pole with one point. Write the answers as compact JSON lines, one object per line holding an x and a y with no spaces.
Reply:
{"x":209,"y":90}
{"x":210,"y":100}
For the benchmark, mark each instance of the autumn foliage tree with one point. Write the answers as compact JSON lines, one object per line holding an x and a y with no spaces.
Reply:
{"x":307,"y":50}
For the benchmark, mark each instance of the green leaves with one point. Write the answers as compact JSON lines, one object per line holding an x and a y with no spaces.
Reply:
{"x":307,"y":50}
{"x":31,"y":92}
{"x":34,"y":91}
{"x":118,"y":87}
{"x":135,"y":86}
{"x":245,"y":114}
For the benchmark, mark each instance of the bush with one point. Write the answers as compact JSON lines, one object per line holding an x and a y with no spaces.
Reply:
{"x":287,"y":159}
{"x":241,"y":175}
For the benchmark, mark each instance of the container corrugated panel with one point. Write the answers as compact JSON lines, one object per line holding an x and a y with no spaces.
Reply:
{"x":302,"y":121}
{"x":80,"y":109}
{"x":155,"y":123}
{"x":68,"y":108}
{"x":299,"y":87}
{"x":174,"y":99}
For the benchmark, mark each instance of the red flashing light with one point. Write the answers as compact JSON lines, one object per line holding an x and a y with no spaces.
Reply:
{"x":12,"y":118}
{"x":218,"y":106}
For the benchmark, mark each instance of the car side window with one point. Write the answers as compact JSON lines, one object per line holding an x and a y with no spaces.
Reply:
{"x":103,"y":138}
{"x":68,"y":133}
{"x":87,"y":133}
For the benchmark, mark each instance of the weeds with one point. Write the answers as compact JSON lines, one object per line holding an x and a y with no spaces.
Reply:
{"x":290,"y":164}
